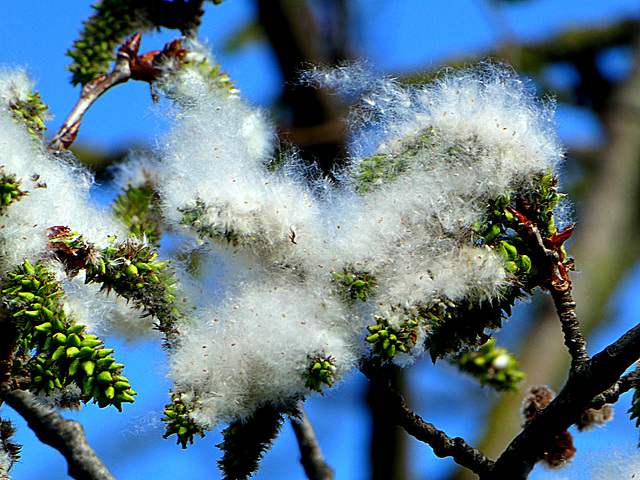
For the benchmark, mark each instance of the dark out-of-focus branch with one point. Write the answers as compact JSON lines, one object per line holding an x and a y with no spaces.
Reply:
{"x":311,"y":455}
{"x":443,"y":445}
{"x":66,"y":436}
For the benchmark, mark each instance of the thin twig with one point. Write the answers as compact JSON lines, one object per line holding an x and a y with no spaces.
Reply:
{"x":311,"y":455}
{"x":129,"y":66}
{"x":66,"y":436}
{"x":442,"y":444}
{"x":93,"y":90}
{"x":547,"y":253}
{"x":612,"y":395}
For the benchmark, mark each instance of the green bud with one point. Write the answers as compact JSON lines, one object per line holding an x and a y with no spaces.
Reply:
{"x":72,"y":352}
{"x":73,"y":340}
{"x":373,"y":338}
{"x":60,"y":351}
{"x":104,"y":377}
{"x":105,"y":362}
{"x":86,"y":342}
{"x":492,"y":234}
{"x":131,"y":270}
{"x":73,"y":368}
{"x":525,"y":263}
{"x":88,"y":366}
{"x":87,"y":386}
{"x":109,"y":392}
{"x":43,"y":327}
{"x":28,"y":268}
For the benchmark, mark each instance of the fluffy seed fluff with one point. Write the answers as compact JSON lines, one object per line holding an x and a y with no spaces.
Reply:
{"x":462,"y":141}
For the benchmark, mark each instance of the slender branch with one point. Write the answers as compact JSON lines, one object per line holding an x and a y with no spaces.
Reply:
{"x":548,"y":254}
{"x":66,"y":436}
{"x":94,"y":90}
{"x":129,"y":66}
{"x":442,"y":444}
{"x":311,"y":455}
{"x":595,"y":376}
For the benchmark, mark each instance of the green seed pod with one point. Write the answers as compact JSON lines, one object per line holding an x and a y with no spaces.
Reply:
{"x":109,"y":392}
{"x":72,"y":352}
{"x":125,"y":397}
{"x":385,"y":344}
{"x":102,"y":268}
{"x":43,"y":327}
{"x":145,"y":267}
{"x":90,"y":343}
{"x":104,"y":377}
{"x":374,"y":328}
{"x":512,"y":252}
{"x":87,"y":386}
{"x":121,"y":386}
{"x":492,"y":234}
{"x":73,"y":368}
{"x":511,"y":267}
{"x":393,"y":338}
{"x":182,"y":431}
{"x":77,"y":328}
{"x":131,"y":271}
{"x":86,"y":352}
{"x":359,"y":284}
{"x":525,"y":263}
{"x":391,"y":351}
{"x":58,"y":326}
{"x":104,"y":363}
{"x":373,"y":338}
{"x":115,"y":367}
{"x":103,"y":352}
{"x":384,"y":333}
{"x":88,"y":366}
{"x":73,"y":340}
{"x":60,"y":351}
{"x":316,"y":366}
{"x":28,"y":268}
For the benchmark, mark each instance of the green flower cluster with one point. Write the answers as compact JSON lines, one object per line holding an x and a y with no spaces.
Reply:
{"x":139,"y":210}
{"x":178,"y":422}
{"x":492,"y":365}
{"x":245,"y":442}
{"x":322,"y":371}
{"x":388,"y":339}
{"x":103,"y":32}
{"x":352,"y":285}
{"x":32,"y":113}
{"x":129,"y":268}
{"x":452,"y":326}
{"x":64,"y":353}
{"x":9,"y":190}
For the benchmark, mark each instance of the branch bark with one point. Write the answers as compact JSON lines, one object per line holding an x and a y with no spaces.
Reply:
{"x":311,"y":455}
{"x":66,"y":436}
{"x":594,"y":377}
{"x":442,"y":444}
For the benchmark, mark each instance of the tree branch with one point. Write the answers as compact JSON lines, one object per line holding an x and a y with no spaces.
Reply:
{"x":66,"y":436}
{"x":443,"y":445}
{"x":594,"y":377}
{"x":311,"y":455}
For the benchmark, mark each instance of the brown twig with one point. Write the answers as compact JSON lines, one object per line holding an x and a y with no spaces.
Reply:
{"x":66,"y":436}
{"x":129,"y":66}
{"x":547,"y":253}
{"x":311,"y":455}
{"x":442,"y":444}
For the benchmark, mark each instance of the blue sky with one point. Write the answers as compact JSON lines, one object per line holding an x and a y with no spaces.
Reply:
{"x":397,"y":37}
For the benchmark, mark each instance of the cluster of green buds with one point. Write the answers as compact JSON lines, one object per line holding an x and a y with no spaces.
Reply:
{"x":377,"y":170}
{"x":194,"y":217}
{"x":352,"y":285}
{"x":322,"y":371}
{"x":130,"y":269}
{"x":547,"y":199}
{"x":389,"y":339}
{"x":9,"y":191}
{"x":453,"y":326}
{"x":103,"y":32}
{"x":246,"y":441}
{"x":516,"y":263}
{"x":139,"y":210}
{"x":492,"y":366}
{"x":64,"y":353}
{"x":179,"y":423}
{"x":32,"y":113}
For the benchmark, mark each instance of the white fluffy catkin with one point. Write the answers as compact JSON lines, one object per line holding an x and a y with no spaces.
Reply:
{"x":464,"y":140}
